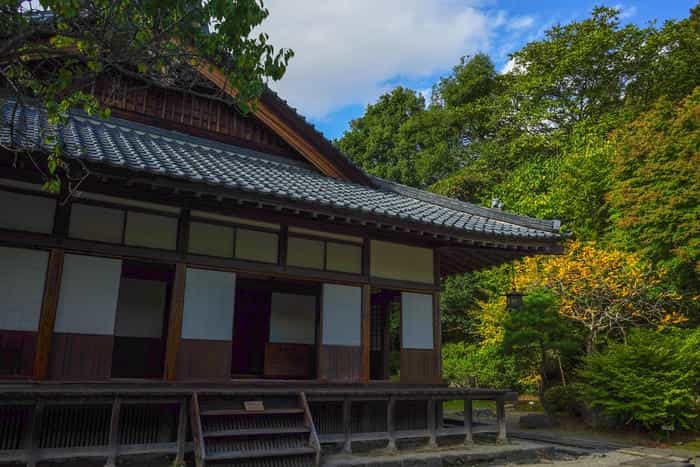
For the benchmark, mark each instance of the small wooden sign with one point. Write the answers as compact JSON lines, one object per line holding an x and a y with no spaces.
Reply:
{"x":668,"y":427}
{"x":254,"y":406}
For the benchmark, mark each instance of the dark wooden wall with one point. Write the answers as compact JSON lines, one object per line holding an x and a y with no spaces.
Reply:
{"x":17,"y":350}
{"x":340,"y":363}
{"x":197,"y":115}
{"x":289,"y":360}
{"x":80,"y":356}
{"x":204,"y":359}
{"x":420,"y":366}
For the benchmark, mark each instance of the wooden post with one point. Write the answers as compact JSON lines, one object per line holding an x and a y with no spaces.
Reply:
{"x":365,"y":341}
{"x":347,"y":428}
{"x":437,"y":337}
{"x":114,"y":433}
{"x":468,"y":417}
{"x":391,"y":423}
{"x":32,"y":432}
{"x":47,"y":318}
{"x":432,"y":423}
{"x":501,"y":419}
{"x":177,"y":302}
{"x":181,"y":433}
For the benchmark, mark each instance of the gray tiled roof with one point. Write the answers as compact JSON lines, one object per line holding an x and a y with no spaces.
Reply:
{"x":143,"y":148}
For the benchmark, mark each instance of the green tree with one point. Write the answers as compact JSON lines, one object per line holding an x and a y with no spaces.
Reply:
{"x":56,"y":52}
{"x":472,"y":79}
{"x":579,"y":71}
{"x":374,"y":140}
{"x":650,"y":381}
{"x":655,"y":192}
{"x":540,"y":339}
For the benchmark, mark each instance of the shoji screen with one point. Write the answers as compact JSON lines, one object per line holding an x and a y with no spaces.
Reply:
{"x":22,"y":276}
{"x":419,"y":356}
{"x":416,"y":321}
{"x":342,"y":324}
{"x":84,"y":329}
{"x":207,"y":324}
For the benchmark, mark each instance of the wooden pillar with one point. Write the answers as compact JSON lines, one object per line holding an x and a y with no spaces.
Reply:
{"x":32,"y":433}
{"x":391,"y":423}
{"x":114,"y":433}
{"x":181,"y":433}
{"x":432,"y":423}
{"x":501,"y":419}
{"x":468,"y":417}
{"x":47,"y":318}
{"x":437,"y":337}
{"x":347,"y":425}
{"x":365,"y":341}
{"x":177,"y":302}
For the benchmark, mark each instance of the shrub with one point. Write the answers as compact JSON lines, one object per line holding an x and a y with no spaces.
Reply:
{"x":652,"y":380}
{"x":466,"y":364}
{"x":564,"y":400}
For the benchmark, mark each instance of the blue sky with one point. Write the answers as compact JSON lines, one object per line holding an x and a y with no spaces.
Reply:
{"x":348,"y":52}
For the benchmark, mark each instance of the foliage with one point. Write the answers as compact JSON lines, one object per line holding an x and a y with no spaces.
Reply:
{"x":55,"y":50}
{"x":373,"y":140}
{"x":607,"y":291}
{"x":539,"y":339}
{"x":647,"y":381}
{"x":473,"y":365}
{"x":655,"y":193}
{"x":462,"y":300}
{"x":564,"y":400}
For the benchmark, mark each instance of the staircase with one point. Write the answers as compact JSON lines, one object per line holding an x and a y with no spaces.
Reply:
{"x":264,"y":431}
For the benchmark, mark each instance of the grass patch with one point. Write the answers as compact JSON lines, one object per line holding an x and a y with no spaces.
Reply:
{"x":458,"y":405}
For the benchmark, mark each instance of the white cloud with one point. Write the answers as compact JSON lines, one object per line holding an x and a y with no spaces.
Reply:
{"x":520,"y":23}
{"x":626,"y":12}
{"x":508,"y":67}
{"x":346,"y":50}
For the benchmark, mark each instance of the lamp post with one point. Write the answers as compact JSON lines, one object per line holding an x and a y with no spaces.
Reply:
{"x":514,"y":300}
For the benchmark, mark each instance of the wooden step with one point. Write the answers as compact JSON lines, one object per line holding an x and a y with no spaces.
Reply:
{"x":257,"y":432}
{"x":237,"y":412}
{"x":233,"y":455}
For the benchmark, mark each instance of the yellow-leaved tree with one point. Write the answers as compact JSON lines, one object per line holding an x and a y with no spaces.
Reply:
{"x":607,"y":291}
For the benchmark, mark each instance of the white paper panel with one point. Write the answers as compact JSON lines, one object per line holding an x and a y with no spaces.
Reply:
{"x":416,"y":321}
{"x":26,"y":212}
{"x":305,"y":253}
{"x":211,"y":240}
{"x":89,"y":291}
{"x":141,"y":308}
{"x":293,"y":319}
{"x":96,"y":223}
{"x":209,"y":299}
{"x":151,"y":230}
{"x":342,"y":315}
{"x":403,"y":262}
{"x":22,"y":277}
{"x":344,"y":258}
{"x":256,"y":246}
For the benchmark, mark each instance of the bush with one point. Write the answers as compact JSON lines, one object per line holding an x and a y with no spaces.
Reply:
{"x":564,"y":400}
{"x":652,"y":380}
{"x":465,"y":365}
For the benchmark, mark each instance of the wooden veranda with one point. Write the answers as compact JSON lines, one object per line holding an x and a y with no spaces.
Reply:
{"x":206,"y":422}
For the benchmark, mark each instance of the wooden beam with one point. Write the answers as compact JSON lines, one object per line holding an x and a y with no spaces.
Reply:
{"x":468,"y":417}
{"x":437,"y":335}
{"x":114,"y":433}
{"x":47,"y":318}
{"x":177,"y":302}
{"x":347,"y":425}
{"x":365,"y":329}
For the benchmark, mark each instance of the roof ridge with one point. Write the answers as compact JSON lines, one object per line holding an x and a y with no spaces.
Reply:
{"x":184,"y":138}
{"x":550,"y":225}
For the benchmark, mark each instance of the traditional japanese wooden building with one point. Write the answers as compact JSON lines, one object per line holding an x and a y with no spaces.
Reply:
{"x":222,"y":286}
